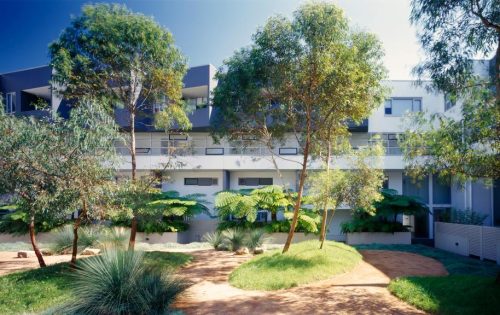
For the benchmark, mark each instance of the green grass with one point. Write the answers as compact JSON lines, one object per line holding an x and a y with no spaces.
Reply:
{"x":303,"y":263}
{"x":469,"y":289}
{"x":38,"y":289}
{"x":449,"y":295}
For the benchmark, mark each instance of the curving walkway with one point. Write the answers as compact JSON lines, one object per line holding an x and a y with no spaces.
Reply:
{"x":360,"y":291}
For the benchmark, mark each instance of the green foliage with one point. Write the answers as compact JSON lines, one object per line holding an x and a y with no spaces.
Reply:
{"x":455,"y":148}
{"x":88,"y":236}
{"x":215,"y":239}
{"x":453,"y":33}
{"x":117,"y":282}
{"x":234,"y":239}
{"x":467,"y":216}
{"x":108,"y":44}
{"x":17,"y":222}
{"x":449,"y":295}
{"x":383,"y":219}
{"x":236,"y":204}
{"x":157,"y":211}
{"x":304,"y":263}
{"x":36,"y":290}
{"x":256,"y":238}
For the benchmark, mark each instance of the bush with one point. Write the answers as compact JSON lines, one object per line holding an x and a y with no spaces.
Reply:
{"x":117,"y":282}
{"x":215,"y":239}
{"x":63,"y":239}
{"x":282,"y":226}
{"x":234,"y":239}
{"x":153,"y":226}
{"x":89,"y":236}
{"x":17,"y":223}
{"x":256,"y":238}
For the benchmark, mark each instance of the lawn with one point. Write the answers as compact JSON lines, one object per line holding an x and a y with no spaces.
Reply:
{"x":303,"y":263}
{"x":470,"y":288}
{"x":38,"y":289}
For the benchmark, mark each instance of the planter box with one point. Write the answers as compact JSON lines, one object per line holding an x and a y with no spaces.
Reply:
{"x":280,"y":238}
{"x":378,"y":238}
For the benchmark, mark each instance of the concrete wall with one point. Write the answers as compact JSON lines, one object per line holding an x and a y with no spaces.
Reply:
{"x":378,"y":238}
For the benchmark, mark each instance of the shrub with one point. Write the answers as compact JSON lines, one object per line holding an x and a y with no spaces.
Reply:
{"x":17,"y":223}
{"x":256,"y":238}
{"x":114,"y":237}
{"x":215,"y":239}
{"x":118,"y":283}
{"x":234,"y":239}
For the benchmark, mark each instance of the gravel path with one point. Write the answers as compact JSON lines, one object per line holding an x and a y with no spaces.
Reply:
{"x":361,"y":291}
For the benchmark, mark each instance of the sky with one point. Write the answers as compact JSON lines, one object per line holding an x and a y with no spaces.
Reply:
{"x":206,"y":31}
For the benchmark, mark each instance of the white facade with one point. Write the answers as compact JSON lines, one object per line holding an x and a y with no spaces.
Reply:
{"x":196,"y":155}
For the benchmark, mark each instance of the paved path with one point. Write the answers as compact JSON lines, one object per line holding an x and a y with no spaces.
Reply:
{"x":360,"y":291}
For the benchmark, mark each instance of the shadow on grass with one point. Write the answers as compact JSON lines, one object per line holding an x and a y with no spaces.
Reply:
{"x":456,"y":294}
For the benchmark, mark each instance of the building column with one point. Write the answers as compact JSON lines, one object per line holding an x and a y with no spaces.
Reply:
{"x":431,"y":202}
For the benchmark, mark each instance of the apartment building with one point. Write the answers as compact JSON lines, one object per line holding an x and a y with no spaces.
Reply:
{"x":199,"y":165}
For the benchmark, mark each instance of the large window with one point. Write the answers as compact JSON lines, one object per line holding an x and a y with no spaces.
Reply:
{"x":448,"y":102}
{"x":10,"y":102}
{"x":197,"y":102}
{"x":201,"y":181}
{"x":254,"y":181}
{"x":400,"y":106}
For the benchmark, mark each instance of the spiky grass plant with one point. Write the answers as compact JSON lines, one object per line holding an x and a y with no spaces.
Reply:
{"x":215,"y":239}
{"x":117,"y":282}
{"x":115,"y":237}
{"x":256,"y":238}
{"x":63,"y":240}
{"x":234,"y":239}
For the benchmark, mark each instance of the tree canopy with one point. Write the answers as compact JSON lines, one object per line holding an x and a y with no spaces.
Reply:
{"x":303,"y":76}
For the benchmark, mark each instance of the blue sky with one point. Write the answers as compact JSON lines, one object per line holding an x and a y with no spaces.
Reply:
{"x":207,"y":31}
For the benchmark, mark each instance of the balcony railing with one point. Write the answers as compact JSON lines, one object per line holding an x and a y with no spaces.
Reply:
{"x":204,"y":151}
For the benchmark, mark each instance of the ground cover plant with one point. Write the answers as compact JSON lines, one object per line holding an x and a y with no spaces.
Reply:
{"x":303,"y":263}
{"x":38,"y":289}
{"x":469,"y":289}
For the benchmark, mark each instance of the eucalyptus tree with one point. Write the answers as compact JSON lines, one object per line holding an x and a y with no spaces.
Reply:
{"x":301,"y":76}
{"x":123,"y":59}
{"x":357,"y":187}
{"x":51,"y":165}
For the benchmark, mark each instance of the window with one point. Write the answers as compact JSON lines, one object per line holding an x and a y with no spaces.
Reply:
{"x":261,"y":216}
{"x":201,"y":181}
{"x":400,"y":106}
{"x":214,"y":151}
{"x":448,"y":102}
{"x":197,"y":102}
{"x":10,"y":102}
{"x":254,"y":181}
{"x":288,"y":151}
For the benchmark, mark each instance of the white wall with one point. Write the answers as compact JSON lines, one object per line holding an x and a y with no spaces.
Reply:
{"x":431,"y":102}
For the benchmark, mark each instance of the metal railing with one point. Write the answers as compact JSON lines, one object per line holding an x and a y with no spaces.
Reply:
{"x":249,"y":151}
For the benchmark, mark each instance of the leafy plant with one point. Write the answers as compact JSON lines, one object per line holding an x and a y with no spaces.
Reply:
{"x":215,"y":239}
{"x":118,"y":282}
{"x":17,"y":222}
{"x":256,"y":238}
{"x":384,"y":219}
{"x":234,"y":239}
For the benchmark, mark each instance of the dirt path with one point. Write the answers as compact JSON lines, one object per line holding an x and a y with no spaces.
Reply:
{"x":361,"y":291}
{"x":9,"y":262}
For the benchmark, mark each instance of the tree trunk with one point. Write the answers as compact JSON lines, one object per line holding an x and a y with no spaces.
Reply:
{"x":72,"y":263}
{"x":38,"y":254}
{"x":133,"y":228}
{"x":75,"y":233}
{"x":299,"y":197}
{"x":322,"y":235}
{"x":133,"y":232}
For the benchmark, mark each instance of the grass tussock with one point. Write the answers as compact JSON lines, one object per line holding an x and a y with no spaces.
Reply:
{"x":303,"y":263}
